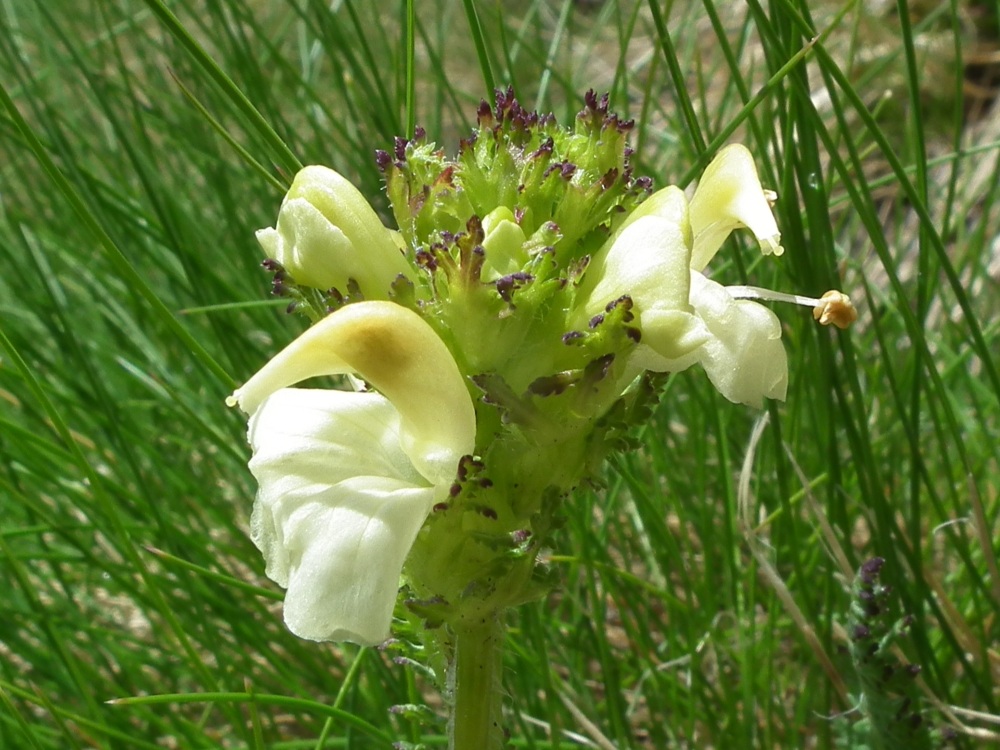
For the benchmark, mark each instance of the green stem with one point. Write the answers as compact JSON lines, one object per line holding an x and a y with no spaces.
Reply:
{"x":475,"y":686}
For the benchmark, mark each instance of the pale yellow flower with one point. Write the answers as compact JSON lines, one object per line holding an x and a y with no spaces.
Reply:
{"x":327,"y":233}
{"x":346,"y":479}
{"x":658,"y":259}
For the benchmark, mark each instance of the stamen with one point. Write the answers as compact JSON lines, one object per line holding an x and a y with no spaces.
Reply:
{"x":833,"y":308}
{"x":756,"y":292}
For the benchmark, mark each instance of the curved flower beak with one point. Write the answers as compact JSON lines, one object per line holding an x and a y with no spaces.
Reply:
{"x":729,"y":196}
{"x":347,"y":479}
{"x":328,"y":233}
{"x":396,"y":351}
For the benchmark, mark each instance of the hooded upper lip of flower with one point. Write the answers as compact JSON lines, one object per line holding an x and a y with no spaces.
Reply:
{"x":658,"y":257}
{"x":346,"y":479}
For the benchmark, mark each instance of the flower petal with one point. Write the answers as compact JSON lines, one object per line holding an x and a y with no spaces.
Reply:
{"x":730,"y":196}
{"x":337,"y":511}
{"x":671,"y":342}
{"x":324,"y":437}
{"x":328,"y":233}
{"x":396,"y":351}
{"x":309,"y":247}
{"x":648,"y":259}
{"x":744,"y":356}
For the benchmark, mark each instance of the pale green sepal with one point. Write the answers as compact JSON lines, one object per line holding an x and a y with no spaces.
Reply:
{"x":729,"y":196}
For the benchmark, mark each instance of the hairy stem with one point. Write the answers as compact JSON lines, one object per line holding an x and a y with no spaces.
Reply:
{"x":475,"y":685}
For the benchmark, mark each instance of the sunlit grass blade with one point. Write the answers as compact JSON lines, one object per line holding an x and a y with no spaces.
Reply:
{"x":279,"y":151}
{"x":114,"y":254}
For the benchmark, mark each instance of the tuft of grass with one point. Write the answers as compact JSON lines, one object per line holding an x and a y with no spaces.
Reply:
{"x":143,"y":142}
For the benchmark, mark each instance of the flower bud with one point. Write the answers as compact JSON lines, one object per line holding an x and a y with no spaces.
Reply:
{"x":328,"y":233}
{"x":503,"y":243}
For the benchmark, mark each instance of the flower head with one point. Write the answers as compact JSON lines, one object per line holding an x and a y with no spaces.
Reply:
{"x":556,"y":281}
{"x":346,"y":479}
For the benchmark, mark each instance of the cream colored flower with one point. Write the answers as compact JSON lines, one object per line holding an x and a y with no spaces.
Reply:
{"x":328,"y":233}
{"x":346,"y":479}
{"x":647,"y":259}
{"x":658,"y":258}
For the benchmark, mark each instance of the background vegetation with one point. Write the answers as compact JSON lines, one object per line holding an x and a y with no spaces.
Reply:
{"x":143,"y":141}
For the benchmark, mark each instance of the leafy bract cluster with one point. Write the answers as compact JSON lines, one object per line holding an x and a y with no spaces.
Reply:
{"x":562,"y":188}
{"x":502,"y":235}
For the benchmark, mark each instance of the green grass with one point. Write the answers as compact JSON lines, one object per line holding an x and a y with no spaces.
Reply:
{"x":141,"y":144}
